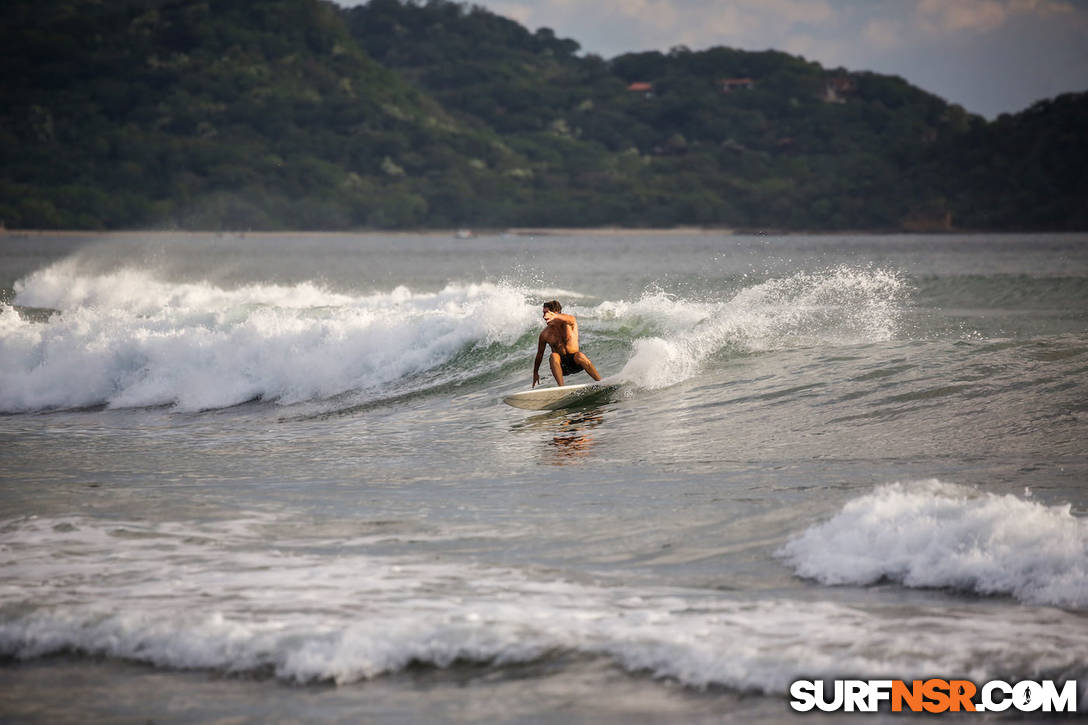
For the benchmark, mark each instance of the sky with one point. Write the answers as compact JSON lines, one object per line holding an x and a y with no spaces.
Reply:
{"x":990,"y":56}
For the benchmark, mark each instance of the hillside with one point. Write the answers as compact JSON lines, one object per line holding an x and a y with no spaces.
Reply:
{"x":1023,"y":171}
{"x":300,"y":114}
{"x":211,"y":114}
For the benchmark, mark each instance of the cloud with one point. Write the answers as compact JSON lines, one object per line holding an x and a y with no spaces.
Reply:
{"x":653,"y":12}
{"x":522,"y":14}
{"x":623,"y":25}
{"x":723,"y":23}
{"x":801,"y":44}
{"x":883,"y":34}
{"x":796,"y":11}
{"x":982,"y":15}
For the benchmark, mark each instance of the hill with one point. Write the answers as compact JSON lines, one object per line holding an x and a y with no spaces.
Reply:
{"x":301,"y":114}
{"x":211,"y":114}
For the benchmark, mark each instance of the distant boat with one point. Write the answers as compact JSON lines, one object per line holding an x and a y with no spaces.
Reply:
{"x":464,"y":234}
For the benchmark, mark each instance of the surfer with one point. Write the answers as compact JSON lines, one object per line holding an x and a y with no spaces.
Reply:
{"x":561,"y":332}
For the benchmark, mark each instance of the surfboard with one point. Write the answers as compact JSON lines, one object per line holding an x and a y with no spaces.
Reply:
{"x":556,"y":397}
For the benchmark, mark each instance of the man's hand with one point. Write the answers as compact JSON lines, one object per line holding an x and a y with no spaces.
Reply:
{"x":549,"y":315}
{"x":536,"y":378}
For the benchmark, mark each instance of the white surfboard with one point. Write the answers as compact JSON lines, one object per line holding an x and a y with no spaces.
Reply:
{"x":557,"y":397}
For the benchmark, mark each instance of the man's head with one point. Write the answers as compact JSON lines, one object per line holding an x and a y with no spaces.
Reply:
{"x":551,"y":309}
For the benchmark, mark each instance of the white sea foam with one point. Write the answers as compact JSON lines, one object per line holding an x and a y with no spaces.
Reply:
{"x":128,"y":339}
{"x":843,"y":305}
{"x":65,"y":286}
{"x":218,"y":597}
{"x":934,"y":534}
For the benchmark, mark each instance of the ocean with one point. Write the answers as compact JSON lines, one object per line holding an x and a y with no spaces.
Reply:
{"x":270,"y":477}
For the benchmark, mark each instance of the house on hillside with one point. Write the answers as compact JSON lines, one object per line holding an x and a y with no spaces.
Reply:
{"x":838,"y":88}
{"x":737,"y":84}
{"x":642,"y":87}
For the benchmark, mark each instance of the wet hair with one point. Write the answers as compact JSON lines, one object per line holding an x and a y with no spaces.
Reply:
{"x":553,"y":306}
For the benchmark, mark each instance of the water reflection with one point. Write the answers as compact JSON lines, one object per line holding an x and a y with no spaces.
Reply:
{"x":571,"y":437}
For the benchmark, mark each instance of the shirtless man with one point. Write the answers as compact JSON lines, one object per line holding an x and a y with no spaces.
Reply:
{"x":561,"y":332}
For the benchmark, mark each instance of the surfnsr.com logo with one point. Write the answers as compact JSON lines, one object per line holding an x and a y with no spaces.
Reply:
{"x":933,"y":696}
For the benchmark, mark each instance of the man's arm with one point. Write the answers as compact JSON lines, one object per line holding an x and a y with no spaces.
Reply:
{"x":539,"y":356}
{"x":565,"y":319}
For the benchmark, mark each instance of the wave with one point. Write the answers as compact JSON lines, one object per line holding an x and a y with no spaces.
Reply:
{"x":934,"y":534}
{"x":217,"y":596}
{"x":127,"y":338}
{"x":844,"y":305}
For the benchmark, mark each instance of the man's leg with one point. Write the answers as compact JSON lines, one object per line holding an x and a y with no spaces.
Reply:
{"x":557,"y":368}
{"x":581,"y":359}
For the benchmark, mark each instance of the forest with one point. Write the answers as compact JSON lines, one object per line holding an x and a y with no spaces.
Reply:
{"x":302,"y":114}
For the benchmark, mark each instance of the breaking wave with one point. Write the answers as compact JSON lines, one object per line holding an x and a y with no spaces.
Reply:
{"x":129,"y":339}
{"x":214,"y":596}
{"x":841,"y":306}
{"x":934,"y":534}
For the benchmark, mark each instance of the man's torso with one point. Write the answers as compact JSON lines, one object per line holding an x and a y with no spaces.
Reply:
{"x":562,"y":337}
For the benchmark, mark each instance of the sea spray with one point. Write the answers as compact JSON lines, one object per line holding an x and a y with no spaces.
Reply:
{"x":66,"y":286}
{"x":844,"y":305}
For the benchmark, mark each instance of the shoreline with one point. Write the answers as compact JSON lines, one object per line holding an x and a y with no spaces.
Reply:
{"x":470,"y":233}
{"x":463,"y":232}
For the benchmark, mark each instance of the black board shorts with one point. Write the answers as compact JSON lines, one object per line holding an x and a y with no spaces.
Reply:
{"x":569,"y":366}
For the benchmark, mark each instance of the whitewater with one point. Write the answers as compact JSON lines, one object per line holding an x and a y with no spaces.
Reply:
{"x":272,"y":474}
{"x":128,"y":339}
